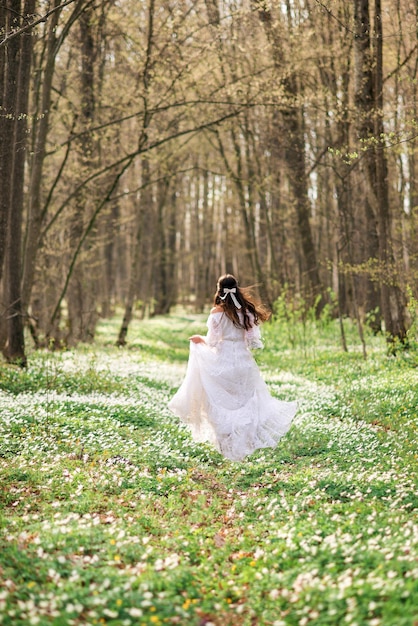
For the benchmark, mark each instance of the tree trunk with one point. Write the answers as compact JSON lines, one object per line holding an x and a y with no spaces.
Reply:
{"x":413,"y":171}
{"x":16,"y":96}
{"x":82,"y":291}
{"x":369,"y":104}
{"x":205,"y":279}
{"x":136,"y":269}
{"x":367,"y":228}
{"x":40,"y":131}
{"x":5,"y":142}
{"x":289,"y":133}
{"x":161,"y":286}
{"x":246,"y":206}
{"x":393,"y":299}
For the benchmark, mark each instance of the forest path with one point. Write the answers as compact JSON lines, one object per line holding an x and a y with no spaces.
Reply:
{"x":112,"y":514}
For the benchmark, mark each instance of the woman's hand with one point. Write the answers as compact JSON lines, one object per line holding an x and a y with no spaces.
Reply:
{"x":197,"y":339}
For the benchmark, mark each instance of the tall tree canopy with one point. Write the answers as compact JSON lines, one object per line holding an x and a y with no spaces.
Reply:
{"x":146,"y":147}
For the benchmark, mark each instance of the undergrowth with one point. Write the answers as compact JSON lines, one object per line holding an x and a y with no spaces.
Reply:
{"x":111,"y":514}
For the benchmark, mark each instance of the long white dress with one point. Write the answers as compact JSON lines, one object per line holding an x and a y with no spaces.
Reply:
{"x":223,"y":398}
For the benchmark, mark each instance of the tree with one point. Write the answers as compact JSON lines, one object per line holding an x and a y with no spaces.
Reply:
{"x":172,"y":142}
{"x":369,"y":103}
{"x":290,"y":134}
{"x":16,"y":63}
{"x":42,"y":101}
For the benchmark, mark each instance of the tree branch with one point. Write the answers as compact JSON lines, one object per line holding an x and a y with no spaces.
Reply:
{"x":400,"y":66}
{"x":129,"y":158}
{"x":31,"y":24}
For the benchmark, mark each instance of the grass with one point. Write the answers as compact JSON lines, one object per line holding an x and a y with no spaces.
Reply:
{"x":112,"y":515}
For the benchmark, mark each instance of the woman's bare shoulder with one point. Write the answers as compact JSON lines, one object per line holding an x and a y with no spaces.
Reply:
{"x":217,"y":309}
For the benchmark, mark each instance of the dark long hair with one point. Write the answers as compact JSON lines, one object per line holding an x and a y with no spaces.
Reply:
{"x":249,"y":304}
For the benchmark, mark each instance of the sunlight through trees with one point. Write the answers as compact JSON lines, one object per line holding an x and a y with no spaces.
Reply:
{"x":148,"y":147}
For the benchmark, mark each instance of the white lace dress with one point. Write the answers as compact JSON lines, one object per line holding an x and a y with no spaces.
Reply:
{"x":223,"y":398}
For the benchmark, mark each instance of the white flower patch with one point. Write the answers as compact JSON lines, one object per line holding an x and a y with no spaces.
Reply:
{"x":85,"y":420}
{"x":169,"y":562}
{"x":120,"y":363}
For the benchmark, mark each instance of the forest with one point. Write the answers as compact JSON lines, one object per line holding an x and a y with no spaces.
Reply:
{"x":147,"y":147}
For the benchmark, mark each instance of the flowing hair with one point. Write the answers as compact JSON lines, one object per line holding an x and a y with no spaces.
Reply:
{"x":253,"y":311}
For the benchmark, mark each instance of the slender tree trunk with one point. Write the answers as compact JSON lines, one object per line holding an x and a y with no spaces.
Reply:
{"x":82,"y":292}
{"x":206,"y":271}
{"x":364,"y":101}
{"x":254,"y":220}
{"x":201,"y":218}
{"x":296,"y":165}
{"x":267,"y":244}
{"x":16,"y":96}
{"x":413,"y":170}
{"x":161,"y":287}
{"x":132,"y":286}
{"x":10,"y":61}
{"x":369,"y":103}
{"x":40,"y":129}
{"x":108,"y":237}
{"x":290,"y":133}
{"x":136,"y":268}
{"x":245,"y":195}
{"x":5,"y":143}
{"x":393,"y":299}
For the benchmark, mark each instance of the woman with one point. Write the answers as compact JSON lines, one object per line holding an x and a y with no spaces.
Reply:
{"x":223,"y":398}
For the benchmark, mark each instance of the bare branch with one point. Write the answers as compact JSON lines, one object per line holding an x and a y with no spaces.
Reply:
{"x":401,"y":65}
{"x":129,"y":158}
{"x":30,"y":24}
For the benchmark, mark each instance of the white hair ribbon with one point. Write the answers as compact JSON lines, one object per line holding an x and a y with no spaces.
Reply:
{"x":231,"y":292}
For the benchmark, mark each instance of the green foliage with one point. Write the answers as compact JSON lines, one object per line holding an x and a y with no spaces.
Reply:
{"x":297,"y":327}
{"x":111,"y":514}
{"x":412,"y":342}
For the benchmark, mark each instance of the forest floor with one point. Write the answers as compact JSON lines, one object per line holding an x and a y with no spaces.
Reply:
{"x":110,"y":514}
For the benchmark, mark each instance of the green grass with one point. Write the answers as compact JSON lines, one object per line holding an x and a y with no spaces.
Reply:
{"x":111,"y":514}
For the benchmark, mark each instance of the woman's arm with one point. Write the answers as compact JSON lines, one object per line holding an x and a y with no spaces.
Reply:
{"x":253,"y":338}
